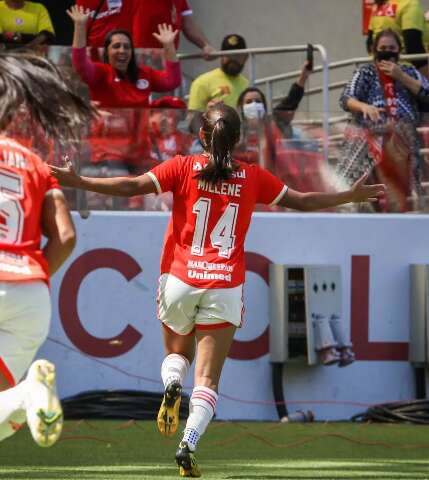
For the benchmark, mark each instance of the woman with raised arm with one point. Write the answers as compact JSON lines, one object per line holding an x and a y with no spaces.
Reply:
{"x":200,"y":297}
{"x":118,"y":81}
{"x":119,"y":141}
{"x":31,"y":202}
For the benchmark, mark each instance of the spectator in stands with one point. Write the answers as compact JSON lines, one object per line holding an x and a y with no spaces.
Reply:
{"x":406,"y":18}
{"x":224,"y":83}
{"x":119,"y":142}
{"x":151,"y":13}
{"x":166,"y":138}
{"x":382,"y":136}
{"x":62,"y":25}
{"x":24,"y":23}
{"x":260,"y":135}
{"x":119,"y":82}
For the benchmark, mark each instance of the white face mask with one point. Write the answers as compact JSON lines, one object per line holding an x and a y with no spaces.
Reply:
{"x":253,"y":110}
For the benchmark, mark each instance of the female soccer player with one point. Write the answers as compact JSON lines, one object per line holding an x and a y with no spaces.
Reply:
{"x":31,"y":202}
{"x":202,"y":266}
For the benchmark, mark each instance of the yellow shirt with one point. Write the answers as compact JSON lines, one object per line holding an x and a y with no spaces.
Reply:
{"x":216,"y":84}
{"x":398,"y":15}
{"x":31,"y":19}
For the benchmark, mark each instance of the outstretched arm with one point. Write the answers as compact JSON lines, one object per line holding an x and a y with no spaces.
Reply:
{"x":359,"y":192}
{"x":117,"y":186}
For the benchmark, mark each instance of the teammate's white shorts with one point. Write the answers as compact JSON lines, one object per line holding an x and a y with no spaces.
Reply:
{"x":25,"y":314}
{"x":182,"y":307}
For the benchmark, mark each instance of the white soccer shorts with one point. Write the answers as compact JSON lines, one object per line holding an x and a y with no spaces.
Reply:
{"x":182,"y":307}
{"x":25,"y":314}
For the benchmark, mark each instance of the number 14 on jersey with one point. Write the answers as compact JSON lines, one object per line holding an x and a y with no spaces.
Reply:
{"x":222,"y":235}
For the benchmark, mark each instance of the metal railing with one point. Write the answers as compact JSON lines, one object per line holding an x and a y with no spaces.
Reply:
{"x":268,"y":81}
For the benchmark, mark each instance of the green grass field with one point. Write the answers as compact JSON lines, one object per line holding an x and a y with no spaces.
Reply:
{"x":135,"y":451}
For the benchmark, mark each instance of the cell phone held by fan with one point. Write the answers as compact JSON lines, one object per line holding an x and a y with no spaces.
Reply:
{"x":310,"y":57}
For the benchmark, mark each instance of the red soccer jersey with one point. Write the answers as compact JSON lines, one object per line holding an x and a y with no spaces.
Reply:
{"x":24,"y":182}
{"x":149,"y":14}
{"x":112,"y":15}
{"x":204,"y":243}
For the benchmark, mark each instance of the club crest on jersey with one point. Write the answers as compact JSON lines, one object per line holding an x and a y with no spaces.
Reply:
{"x":142,"y":84}
{"x":197,"y":167}
{"x":19,"y":21}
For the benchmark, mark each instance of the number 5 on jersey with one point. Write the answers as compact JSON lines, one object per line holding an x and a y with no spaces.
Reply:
{"x":11,"y":213}
{"x":222,"y":235}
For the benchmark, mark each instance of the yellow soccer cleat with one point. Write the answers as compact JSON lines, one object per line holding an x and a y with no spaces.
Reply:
{"x":44,"y":412}
{"x":187,"y":462}
{"x":168,"y":415}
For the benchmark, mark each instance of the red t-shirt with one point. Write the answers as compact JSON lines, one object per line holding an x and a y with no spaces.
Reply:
{"x":113,"y":91}
{"x":204,"y":243}
{"x":24,"y":181}
{"x":113,"y":14}
{"x":148,"y":14}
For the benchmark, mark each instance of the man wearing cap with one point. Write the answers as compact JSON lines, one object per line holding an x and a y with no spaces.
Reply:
{"x":221,"y":84}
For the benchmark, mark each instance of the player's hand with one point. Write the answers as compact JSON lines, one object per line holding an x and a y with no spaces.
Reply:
{"x":166,"y":35}
{"x":79,"y":15}
{"x":372,"y":113}
{"x":67,"y":175}
{"x":366,"y":193}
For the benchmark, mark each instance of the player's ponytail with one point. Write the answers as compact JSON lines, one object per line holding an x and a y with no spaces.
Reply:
{"x":220,"y":133}
{"x":35,"y":83}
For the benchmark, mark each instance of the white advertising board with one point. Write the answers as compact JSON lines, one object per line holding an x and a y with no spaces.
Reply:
{"x":105,"y":334}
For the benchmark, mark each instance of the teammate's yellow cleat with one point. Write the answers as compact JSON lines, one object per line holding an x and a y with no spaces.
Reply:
{"x":187,"y":462}
{"x":168,"y":415}
{"x":44,"y":412}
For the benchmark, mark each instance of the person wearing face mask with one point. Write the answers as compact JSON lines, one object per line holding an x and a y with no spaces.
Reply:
{"x":382,"y":136}
{"x":406,"y":18}
{"x":221,"y":84}
{"x":257,"y":140}
{"x":258,"y":129}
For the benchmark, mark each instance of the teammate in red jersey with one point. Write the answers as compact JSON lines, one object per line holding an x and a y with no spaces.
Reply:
{"x":202,"y":265}
{"x":31,"y":202}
